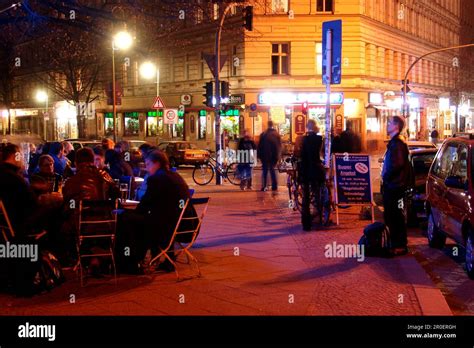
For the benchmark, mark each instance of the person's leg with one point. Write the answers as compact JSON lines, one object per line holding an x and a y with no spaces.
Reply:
{"x":394,"y":217}
{"x":264,"y":174}
{"x":306,"y":219}
{"x":249,"y":180}
{"x":274,"y":178}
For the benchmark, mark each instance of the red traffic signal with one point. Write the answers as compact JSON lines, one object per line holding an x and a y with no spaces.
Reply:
{"x":304,"y":108}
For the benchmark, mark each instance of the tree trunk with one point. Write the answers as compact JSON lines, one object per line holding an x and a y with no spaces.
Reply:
{"x":81,"y":124}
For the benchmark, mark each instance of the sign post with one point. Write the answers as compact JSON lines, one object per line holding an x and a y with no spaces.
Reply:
{"x":332,"y":47}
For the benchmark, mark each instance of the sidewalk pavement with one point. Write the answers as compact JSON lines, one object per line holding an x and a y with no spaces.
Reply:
{"x":255,"y":260}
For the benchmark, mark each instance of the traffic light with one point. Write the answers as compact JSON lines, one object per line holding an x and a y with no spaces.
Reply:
{"x":248,"y":18}
{"x":224,"y":89}
{"x":304,"y":108}
{"x":403,"y":86}
{"x":208,"y":95}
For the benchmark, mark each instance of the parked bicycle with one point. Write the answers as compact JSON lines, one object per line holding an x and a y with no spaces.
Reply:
{"x":204,"y":173}
{"x":321,"y":198}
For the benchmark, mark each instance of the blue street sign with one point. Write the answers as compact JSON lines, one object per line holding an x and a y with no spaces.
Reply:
{"x":336,"y":28}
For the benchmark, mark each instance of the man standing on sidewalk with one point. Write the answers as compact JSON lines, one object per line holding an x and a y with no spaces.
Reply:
{"x":396,"y":176}
{"x":312,"y":174}
{"x":269,"y":149}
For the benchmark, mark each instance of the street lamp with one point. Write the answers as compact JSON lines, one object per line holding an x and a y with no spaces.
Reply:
{"x":149,"y":70}
{"x":42,"y":97}
{"x":121,"y":41}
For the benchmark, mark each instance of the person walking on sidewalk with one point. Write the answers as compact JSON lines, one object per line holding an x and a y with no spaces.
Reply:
{"x":269,"y":150}
{"x":396,"y":175}
{"x":312,"y":173}
{"x":246,"y":158}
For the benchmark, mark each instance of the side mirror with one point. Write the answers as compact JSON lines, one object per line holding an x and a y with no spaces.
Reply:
{"x":455,"y":182}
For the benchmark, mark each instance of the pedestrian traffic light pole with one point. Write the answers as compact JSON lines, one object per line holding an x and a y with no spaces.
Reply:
{"x":405,"y":80}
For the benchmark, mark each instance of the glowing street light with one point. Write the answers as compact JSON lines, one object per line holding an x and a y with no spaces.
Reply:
{"x":121,"y":41}
{"x":41,"y":96}
{"x":149,"y":70}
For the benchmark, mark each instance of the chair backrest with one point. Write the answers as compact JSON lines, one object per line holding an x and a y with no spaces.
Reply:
{"x":187,"y":229}
{"x":6,"y":228}
{"x":97,"y":216}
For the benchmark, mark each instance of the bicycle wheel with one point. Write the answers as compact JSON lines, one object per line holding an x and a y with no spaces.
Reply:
{"x":297,"y":190}
{"x":232,"y":174}
{"x":325,"y":204}
{"x":203,"y":174}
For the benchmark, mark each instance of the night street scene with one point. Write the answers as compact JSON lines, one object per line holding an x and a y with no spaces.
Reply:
{"x":228,"y":165}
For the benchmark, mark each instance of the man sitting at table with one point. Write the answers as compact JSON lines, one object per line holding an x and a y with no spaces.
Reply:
{"x":46,"y":180}
{"x":152,"y":223}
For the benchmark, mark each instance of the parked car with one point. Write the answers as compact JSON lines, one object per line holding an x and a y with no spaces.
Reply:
{"x":415,"y":144}
{"x":79,"y":144}
{"x":450,"y":197}
{"x":183,"y":152}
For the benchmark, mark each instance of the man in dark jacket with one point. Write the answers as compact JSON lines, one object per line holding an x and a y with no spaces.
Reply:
{"x":155,"y":218}
{"x":396,"y":175}
{"x":311,"y":170}
{"x":269,"y":150}
{"x":18,"y":199}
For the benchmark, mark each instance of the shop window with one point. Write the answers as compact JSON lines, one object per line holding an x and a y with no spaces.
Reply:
{"x":202,"y":125}
{"x":319,"y":58}
{"x":131,"y":125}
{"x":325,"y":6}
{"x":279,"y":6}
{"x":280,"y":58}
{"x":230,"y":125}
{"x":154,"y":122}
{"x":109,"y":123}
{"x":178,"y":129}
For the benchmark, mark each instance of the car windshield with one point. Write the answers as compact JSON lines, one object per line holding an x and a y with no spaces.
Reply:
{"x":186,"y":146}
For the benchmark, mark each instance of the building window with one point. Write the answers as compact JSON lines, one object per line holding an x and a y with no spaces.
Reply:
{"x":215,"y":11}
{"x":325,"y":6}
{"x":279,"y":6}
{"x":131,"y":123}
{"x":280,"y":58}
{"x":319,"y":58}
{"x":199,"y":17}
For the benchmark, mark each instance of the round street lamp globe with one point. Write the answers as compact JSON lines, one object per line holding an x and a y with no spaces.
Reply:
{"x":41,"y":96}
{"x":148,"y":70}
{"x":123,"y":40}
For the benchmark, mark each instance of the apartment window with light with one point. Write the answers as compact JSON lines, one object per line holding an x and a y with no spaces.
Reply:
{"x":319,"y":58}
{"x":280,"y":58}
{"x":325,"y":5}
{"x":215,"y":11}
{"x":279,"y":6}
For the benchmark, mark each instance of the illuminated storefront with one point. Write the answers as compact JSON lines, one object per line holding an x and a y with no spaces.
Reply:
{"x":154,"y":123}
{"x":283,"y":107}
{"x":202,"y":124}
{"x":66,"y":120}
{"x":131,"y":123}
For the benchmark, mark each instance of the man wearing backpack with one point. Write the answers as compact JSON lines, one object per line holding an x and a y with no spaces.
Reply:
{"x":397,"y":176}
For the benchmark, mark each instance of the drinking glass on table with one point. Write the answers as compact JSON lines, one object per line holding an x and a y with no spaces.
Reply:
{"x":124,"y":192}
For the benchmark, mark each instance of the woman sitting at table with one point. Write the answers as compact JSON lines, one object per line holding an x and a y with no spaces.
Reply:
{"x":46,"y":180}
{"x":152,"y":223}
